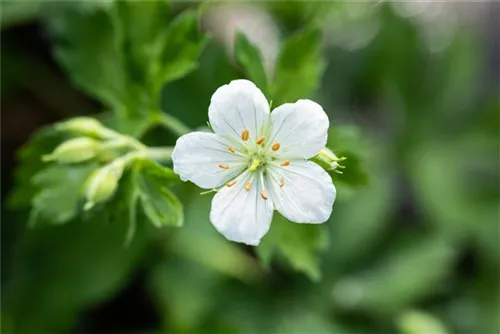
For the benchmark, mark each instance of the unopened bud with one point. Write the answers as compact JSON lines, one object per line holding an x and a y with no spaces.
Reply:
{"x":102,"y":183}
{"x":327,"y":160}
{"x":86,"y":126}
{"x":74,"y":151}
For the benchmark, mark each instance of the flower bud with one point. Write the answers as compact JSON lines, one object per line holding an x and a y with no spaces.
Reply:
{"x":102,"y":183}
{"x":327,"y":159}
{"x":86,"y":126}
{"x":74,"y":150}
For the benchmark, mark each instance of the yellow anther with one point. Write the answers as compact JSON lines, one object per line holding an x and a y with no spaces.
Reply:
{"x":223,"y":166}
{"x":282,"y":183}
{"x":263,"y":194}
{"x":276,"y":146}
{"x":255,"y":164}
{"x":248,"y":185}
{"x":260,"y":140}
{"x":231,"y":149}
{"x":245,"y":134}
{"x":285,"y":163}
{"x":231,"y":183}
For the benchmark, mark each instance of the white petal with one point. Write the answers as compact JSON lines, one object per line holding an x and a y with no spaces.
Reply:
{"x":239,"y":106}
{"x":307,"y":194}
{"x":197,"y":157}
{"x":301,"y":128}
{"x":241,"y":215}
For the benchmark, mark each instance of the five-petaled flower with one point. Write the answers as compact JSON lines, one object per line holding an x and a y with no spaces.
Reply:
{"x":259,"y":161}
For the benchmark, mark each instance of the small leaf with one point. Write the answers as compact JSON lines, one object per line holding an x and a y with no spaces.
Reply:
{"x":179,"y":48}
{"x":159,"y":173}
{"x":298,"y":243}
{"x":250,"y":58}
{"x":160,"y":205}
{"x":299,"y":68}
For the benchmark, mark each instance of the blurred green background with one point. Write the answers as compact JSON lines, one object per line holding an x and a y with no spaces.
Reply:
{"x":412,"y":92}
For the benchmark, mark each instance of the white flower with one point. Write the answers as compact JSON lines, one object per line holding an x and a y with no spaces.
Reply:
{"x":261,"y":158}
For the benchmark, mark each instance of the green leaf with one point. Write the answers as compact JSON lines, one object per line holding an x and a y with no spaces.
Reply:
{"x":298,"y":243}
{"x":179,"y":48}
{"x":299,"y":67}
{"x":88,"y":45}
{"x":250,"y":58}
{"x":160,"y":174}
{"x":142,"y":24}
{"x":59,"y":192}
{"x":160,"y":205}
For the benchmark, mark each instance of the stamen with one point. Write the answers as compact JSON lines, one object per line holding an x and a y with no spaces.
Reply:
{"x":248,"y":185}
{"x":260,"y":140}
{"x":282,"y":183}
{"x":276,"y":146}
{"x":245,"y":134}
{"x":285,"y":163}
{"x":231,"y":183}
{"x":231,"y":149}
{"x":263,"y":194}
{"x":223,"y":166}
{"x":262,"y":191}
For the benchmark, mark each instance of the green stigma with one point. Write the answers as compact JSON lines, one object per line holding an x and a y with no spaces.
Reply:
{"x":255,"y":164}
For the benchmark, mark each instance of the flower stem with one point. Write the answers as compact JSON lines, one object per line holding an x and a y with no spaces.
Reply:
{"x":160,"y":153}
{"x":171,"y":123}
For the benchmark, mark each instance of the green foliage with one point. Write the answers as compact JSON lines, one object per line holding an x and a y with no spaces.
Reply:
{"x":298,"y":243}
{"x":299,"y":67}
{"x":180,"y":47}
{"x":29,"y":163}
{"x":59,"y":191}
{"x":298,"y":71}
{"x":160,"y":205}
{"x":397,"y":280}
{"x":249,"y":56}
{"x":61,"y":271}
{"x":88,"y":47}
{"x":123,"y":53}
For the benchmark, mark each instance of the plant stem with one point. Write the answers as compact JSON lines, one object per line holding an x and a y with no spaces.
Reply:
{"x":160,"y":153}
{"x":171,"y":123}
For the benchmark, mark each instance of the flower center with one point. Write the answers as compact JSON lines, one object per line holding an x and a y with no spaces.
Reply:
{"x":258,"y":154}
{"x":256,"y":162}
